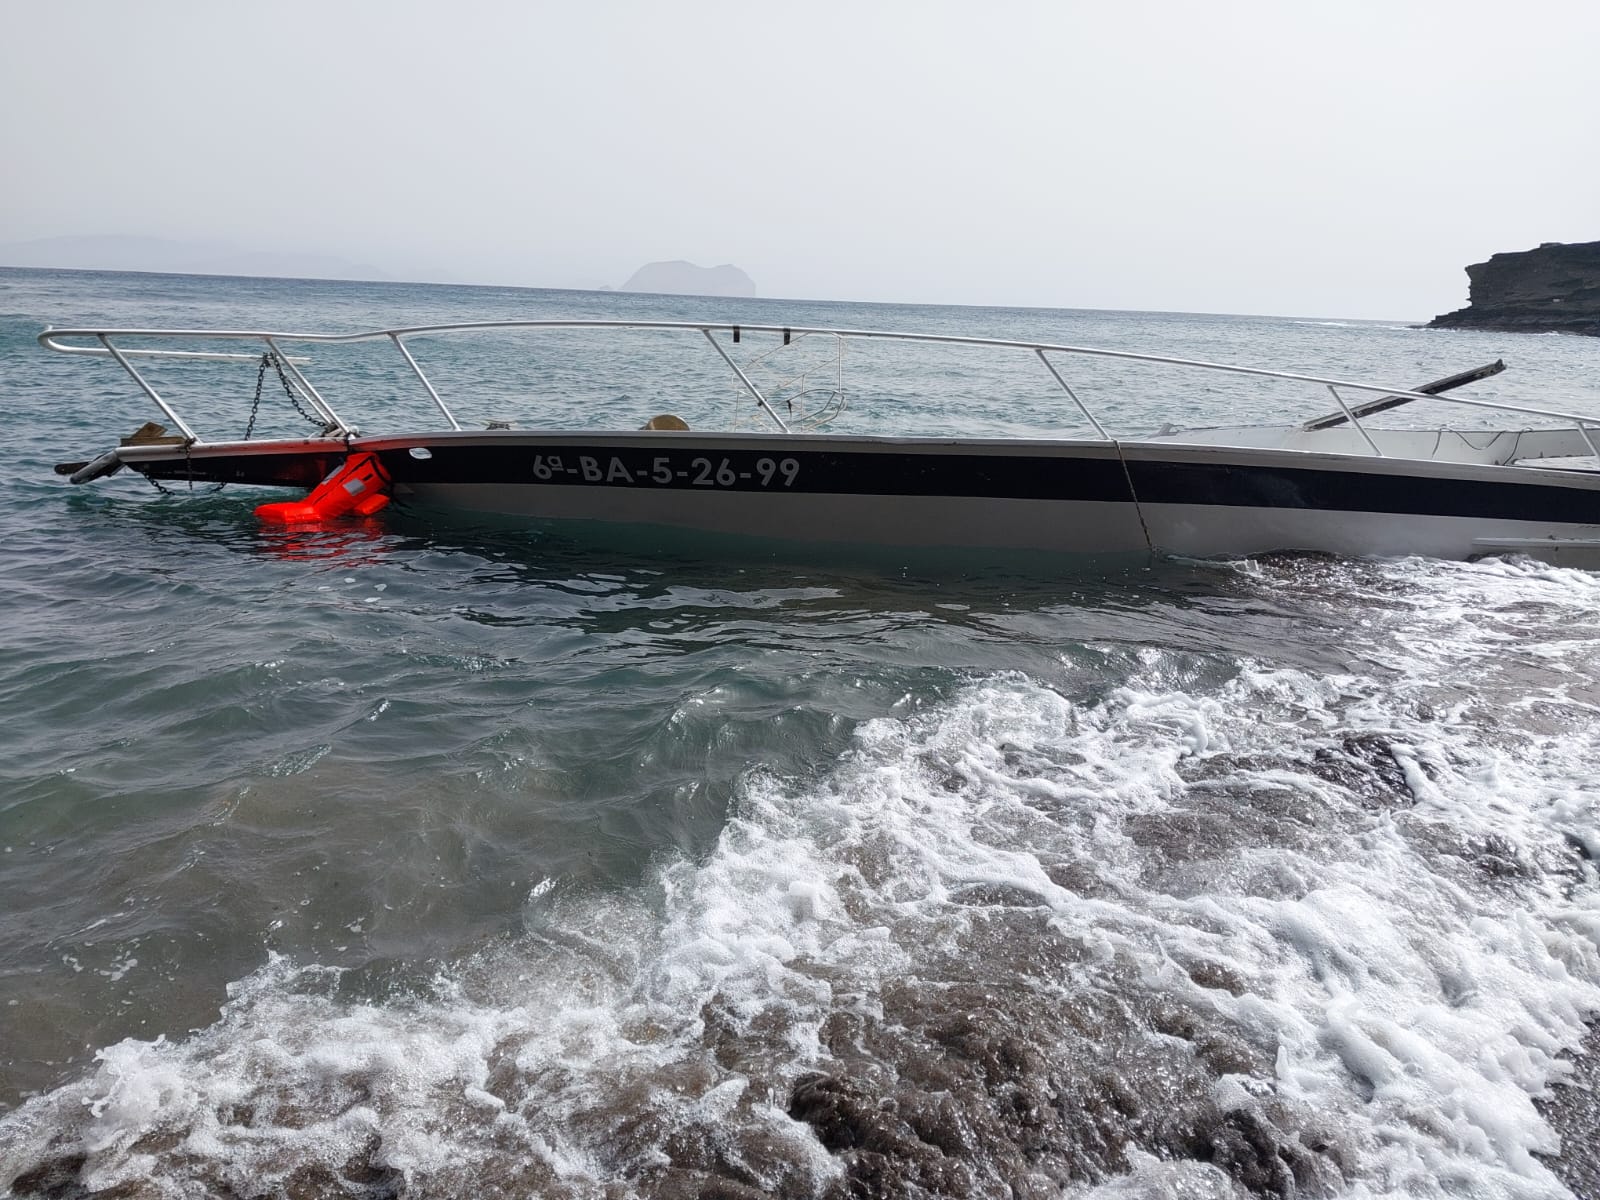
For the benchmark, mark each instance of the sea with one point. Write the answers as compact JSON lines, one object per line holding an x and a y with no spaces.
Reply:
{"x":432,"y":856}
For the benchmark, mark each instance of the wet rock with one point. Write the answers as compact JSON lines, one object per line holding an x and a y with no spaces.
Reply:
{"x":160,"y":1141}
{"x":842,"y":1032}
{"x":1573,"y":1110}
{"x":53,"y":1179}
{"x":997,"y":894}
{"x":1228,"y":805}
{"x":961,"y":1089}
{"x":1217,"y":975}
{"x":1262,"y":1160}
{"x":692,"y":1185}
{"x":369,"y":1180}
{"x":1079,"y":876}
{"x":365,"y":1182}
{"x":1223,"y":1054}
{"x":1495,"y":864}
{"x":998,"y":1055}
{"x":882,"y":1153}
{"x":1364,"y":765}
{"x":1499,"y":858}
{"x":938,"y":1120}
{"x":1174,"y":1019}
{"x":1180,"y":836}
{"x":843,"y":1115}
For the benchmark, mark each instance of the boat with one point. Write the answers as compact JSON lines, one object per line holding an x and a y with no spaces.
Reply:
{"x":1342,"y":481}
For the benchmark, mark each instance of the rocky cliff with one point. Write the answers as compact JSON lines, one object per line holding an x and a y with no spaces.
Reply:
{"x":1555,"y":288}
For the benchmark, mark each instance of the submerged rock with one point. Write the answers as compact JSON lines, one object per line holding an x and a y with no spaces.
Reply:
{"x":1553,"y":289}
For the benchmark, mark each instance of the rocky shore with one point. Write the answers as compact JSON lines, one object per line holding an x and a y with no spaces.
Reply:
{"x":1573,"y":1110}
{"x":1553,"y":289}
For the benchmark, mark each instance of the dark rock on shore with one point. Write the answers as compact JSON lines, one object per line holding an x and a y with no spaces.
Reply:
{"x":1554,"y":289}
{"x":1573,"y":1110}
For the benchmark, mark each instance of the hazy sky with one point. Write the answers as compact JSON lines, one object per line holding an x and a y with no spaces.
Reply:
{"x":1341,"y":159}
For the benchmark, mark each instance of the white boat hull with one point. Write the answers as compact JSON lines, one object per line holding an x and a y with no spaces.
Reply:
{"x":1092,"y":498}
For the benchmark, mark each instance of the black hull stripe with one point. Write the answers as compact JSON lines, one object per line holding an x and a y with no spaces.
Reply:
{"x":907,"y":474}
{"x":1021,"y":477}
{"x":1355,"y":491}
{"x":813,"y":472}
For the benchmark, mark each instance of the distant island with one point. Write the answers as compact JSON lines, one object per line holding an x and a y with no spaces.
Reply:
{"x":100,"y":252}
{"x":162,"y":255}
{"x":1553,"y":289}
{"x":681,"y":278}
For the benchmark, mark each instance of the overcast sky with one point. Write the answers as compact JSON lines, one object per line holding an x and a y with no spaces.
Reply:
{"x":1337,"y":159}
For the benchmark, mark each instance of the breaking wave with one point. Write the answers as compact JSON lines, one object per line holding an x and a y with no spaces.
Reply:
{"x":1186,"y":925}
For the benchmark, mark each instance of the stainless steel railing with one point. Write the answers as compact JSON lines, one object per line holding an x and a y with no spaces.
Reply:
{"x":55,"y":339}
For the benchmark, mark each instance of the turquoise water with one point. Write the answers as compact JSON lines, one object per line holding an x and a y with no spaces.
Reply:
{"x":430,"y":857}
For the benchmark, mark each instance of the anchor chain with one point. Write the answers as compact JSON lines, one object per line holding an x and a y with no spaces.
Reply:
{"x":166,"y":491}
{"x":250,"y":425}
{"x":255,"y":404}
{"x":288,"y":390}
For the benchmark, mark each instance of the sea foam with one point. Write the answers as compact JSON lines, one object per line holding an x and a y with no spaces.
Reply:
{"x":1276,"y":931}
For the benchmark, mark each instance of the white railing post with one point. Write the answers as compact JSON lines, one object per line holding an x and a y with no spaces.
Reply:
{"x":148,"y":390}
{"x":1360,"y":428}
{"x":1583,"y":432}
{"x":1082,"y":407}
{"x":448,"y":415}
{"x":744,"y":379}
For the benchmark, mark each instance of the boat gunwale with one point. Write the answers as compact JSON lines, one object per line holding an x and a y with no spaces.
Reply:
{"x":1294,"y":458}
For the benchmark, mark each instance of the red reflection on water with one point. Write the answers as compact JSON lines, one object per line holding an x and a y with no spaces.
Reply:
{"x":358,"y":541}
